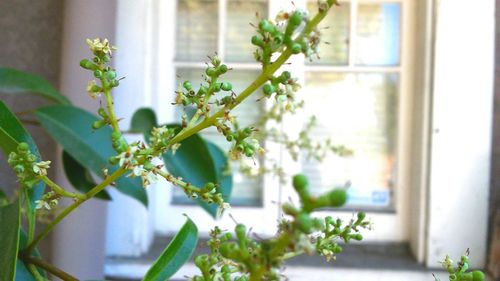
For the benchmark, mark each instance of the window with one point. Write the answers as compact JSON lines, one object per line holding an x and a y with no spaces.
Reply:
{"x":359,"y":77}
{"x":424,"y":162}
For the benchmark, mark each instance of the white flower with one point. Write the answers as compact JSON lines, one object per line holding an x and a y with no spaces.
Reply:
{"x":91,"y":89}
{"x":40,"y":168}
{"x":97,"y":45}
{"x":42,"y":204}
{"x":222,"y":208}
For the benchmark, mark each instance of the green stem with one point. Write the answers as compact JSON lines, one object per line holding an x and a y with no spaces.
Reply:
{"x":259,"y":81}
{"x":59,"y":190}
{"x":111,"y":111}
{"x":35,"y":273}
{"x":98,"y":188}
{"x":178,"y":182}
{"x":31,"y":217}
{"x":63,"y":275}
{"x":292,"y":254}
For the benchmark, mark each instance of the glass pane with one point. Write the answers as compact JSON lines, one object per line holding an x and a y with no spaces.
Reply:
{"x":246,"y":191}
{"x":334,"y":31}
{"x":240,"y":13}
{"x":378,"y":34}
{"x":359,"y":111}
{"x":196,"y":29}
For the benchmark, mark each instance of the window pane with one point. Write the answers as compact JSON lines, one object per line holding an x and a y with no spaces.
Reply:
{"x":359,"y":111}
{"x":335,"y":31}
{"x":246,"y":191}
{"x":196,"y":29}
{"x":240,"y":13}
{"x":378,"y":34}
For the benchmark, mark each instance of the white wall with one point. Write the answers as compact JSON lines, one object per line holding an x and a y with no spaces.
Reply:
{"x":461,"y":130}
{"x":79,"y":240}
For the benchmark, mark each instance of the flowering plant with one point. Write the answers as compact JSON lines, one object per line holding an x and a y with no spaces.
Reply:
{"x":96,"y":144}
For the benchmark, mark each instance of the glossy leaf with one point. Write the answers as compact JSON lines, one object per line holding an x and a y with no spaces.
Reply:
{"x":80,"y":177}
{"x":143,"y":121}
{"x":193,"y":162}
{"x":71,"y":127}
{"x":178,"y":252}
{"x":10,"y":219}
{"x":224,"y":174}
{"x":13,"y":81}
{"x":11,"y":134}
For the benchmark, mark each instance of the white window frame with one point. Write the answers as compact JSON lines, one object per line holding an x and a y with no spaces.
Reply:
{"x":436,"y":137}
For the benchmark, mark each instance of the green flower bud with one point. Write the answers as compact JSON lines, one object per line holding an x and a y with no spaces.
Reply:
{"x":217,"y":87}
{"x":98,"y":124}
{"x":478,"y":276}
{"x":225,"y":269}
{"x":226,"y":86}
{"x":266,"y":26}
{"x":187,"y":85}
{"x":229,"y":137}
{"x":222,"y":69}
{"x":210,"y":71}
{"x":295,"y":18}
{"x":338,"y":197}
{"x":279,"y":39}
{"x":110,"y":75}
{"x":361,"y":216}
{"x":300,"y":182}
{"x":337,"y":249}
{"x":201,"y":261}
{"x":115,"y":83}
{"x":257,"y":41}
{"x":268,"y":89}
{"x":304,"y":223}
{"x":296,"y":48}
{"x":229,"y":250}
{"x":241,"y":232}
{"x":102,"y":112}
{"x":249,"y":152}
{"x":357,"y":237}
{"x":19,"y":169}
{"x":113,"y":160}
{"x":97,"y":73}
{"x":23,"y":148}
{"x":87,"y":64}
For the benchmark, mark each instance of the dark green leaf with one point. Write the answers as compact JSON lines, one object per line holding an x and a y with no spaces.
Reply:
{"x":13,"y":81}
{"x":71,"y":127}
{"x":178,"y":252}
{"x":80,"y":177}
{"x":10,"y":219}
{"x":143,"y":121}
{"x":11,"y":134}
{"x":224,"y":175}
{"x":193,"y":162}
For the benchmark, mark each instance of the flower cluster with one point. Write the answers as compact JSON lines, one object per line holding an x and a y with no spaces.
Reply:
{"x":247,"y":258}
{"x":460,"y":272}
{"x":48,"y":201}
{"x":26,"y":166}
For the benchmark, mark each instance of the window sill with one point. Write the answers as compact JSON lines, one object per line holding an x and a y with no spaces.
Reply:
{"x":379,"y":261}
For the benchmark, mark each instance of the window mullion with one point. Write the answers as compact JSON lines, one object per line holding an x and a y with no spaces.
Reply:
{"x":221,"y":31}
{"x":352,"y":32}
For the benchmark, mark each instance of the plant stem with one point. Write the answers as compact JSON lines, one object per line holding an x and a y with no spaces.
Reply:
{"x":30,"y":216}
{"x":35,"y":273}
{"x":49,"y":267}
{"x":266,"y":74}
{"x":118,"y":173}
{"x":111,"y":111}
{"x":61,"y":191}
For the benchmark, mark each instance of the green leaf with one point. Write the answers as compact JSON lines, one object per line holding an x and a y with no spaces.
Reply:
{"x":22,"y":272}
{"x":193,"y":162}
{"x":10,"y":219}
{"x":11,"y":134}
{"x":80,"y":177}
{"x":13,"y":81}
{"x":224,"y":174}
{"x":143,"y":121}
{"x":178,"y":252}
{"x":71,"y":127}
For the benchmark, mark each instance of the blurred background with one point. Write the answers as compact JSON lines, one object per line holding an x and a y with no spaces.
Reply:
{"x":409,"y":85}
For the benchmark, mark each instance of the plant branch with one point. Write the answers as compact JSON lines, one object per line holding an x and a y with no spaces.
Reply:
{"x":61,"y":191}
{"x":98,"y":188}
{"x":112,"y":117}
{"x":49,"y":267}
{"x":35,"y":273}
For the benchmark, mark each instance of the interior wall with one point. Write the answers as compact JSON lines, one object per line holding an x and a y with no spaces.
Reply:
{"x":31,"y":34}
